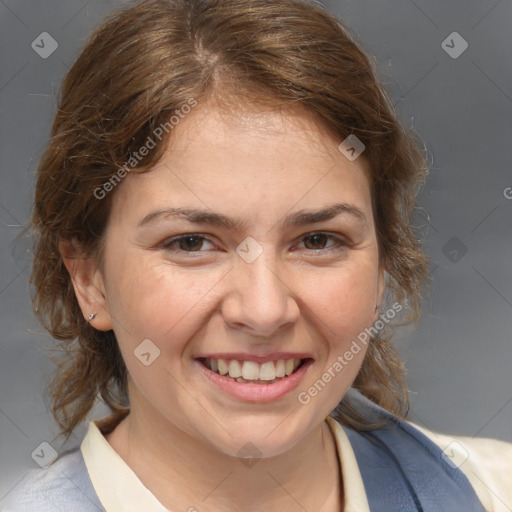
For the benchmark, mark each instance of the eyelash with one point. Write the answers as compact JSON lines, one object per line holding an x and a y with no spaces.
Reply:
{"x":341,"y":244}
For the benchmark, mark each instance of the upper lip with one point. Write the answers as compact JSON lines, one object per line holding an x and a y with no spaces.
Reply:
{"x":246,"y":356}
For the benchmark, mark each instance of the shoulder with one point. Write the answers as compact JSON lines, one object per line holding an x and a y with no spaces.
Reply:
{"x":64,"y":485}
{"x":486,"y":463}
{"x":478,"y":466}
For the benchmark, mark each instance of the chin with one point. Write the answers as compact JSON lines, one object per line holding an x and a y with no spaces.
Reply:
{"x":259,"y":436}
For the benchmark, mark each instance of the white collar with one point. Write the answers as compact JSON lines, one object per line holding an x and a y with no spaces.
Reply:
{"x":119,"y":489}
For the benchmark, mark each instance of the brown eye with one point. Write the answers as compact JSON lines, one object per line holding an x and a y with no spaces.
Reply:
{"x":186,"y":243}
{"x":190,"y":243}
{"x":317,"y":241}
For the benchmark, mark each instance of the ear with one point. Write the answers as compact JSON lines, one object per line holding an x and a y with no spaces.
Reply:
{"x":381,"y":288}
{"x":88,"y":285}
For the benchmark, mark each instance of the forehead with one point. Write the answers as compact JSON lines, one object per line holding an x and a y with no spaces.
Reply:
{"x":247,"y":159}
{"x":261,"y":133}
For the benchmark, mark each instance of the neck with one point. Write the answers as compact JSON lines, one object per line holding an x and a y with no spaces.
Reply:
{"x":187,"y":474}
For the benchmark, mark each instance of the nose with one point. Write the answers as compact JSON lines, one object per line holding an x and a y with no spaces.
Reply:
{"x":259,"y":301}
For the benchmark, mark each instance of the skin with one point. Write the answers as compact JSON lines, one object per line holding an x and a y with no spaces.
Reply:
{"x":182,"y":435}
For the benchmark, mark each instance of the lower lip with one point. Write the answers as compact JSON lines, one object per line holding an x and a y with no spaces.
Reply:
{"x":257,"y":392}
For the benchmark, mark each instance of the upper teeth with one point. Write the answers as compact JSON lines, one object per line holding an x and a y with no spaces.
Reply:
{"x":250,"y":370}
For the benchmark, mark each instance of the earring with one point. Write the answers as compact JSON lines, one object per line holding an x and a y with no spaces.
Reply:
{"x":91,"y":316}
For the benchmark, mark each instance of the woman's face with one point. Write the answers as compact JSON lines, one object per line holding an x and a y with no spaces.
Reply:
{"x":255,"y":277}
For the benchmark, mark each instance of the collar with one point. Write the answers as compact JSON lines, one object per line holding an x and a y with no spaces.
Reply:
{"x":118,"y":487}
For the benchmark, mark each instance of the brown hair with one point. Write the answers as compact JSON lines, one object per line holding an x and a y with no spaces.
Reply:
{"x":143,"y":64}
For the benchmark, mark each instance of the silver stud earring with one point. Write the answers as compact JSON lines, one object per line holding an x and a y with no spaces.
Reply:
{"x":91,"y":316}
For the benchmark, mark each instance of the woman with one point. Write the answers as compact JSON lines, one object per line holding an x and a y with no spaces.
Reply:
{"x":223,"y":241}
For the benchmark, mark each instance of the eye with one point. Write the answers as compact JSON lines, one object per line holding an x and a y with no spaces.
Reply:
{"x":186,"y":243}
{"x":317,"y":242}
{"x":194,"y":243}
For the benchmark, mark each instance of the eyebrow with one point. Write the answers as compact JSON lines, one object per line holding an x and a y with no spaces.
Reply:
{"x":299,"y":218}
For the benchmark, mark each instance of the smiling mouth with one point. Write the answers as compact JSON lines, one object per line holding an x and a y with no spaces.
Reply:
{"x":253,"y":372}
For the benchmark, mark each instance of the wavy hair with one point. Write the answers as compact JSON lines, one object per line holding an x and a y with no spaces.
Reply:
{"x":140,"y":67}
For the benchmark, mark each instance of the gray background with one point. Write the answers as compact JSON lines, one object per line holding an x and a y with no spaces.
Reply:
{"x":460,"y":355}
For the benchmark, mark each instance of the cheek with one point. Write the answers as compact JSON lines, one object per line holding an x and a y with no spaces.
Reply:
{"x":342,"y":306}
{"x":159,"y":304}
{"x":343,"y":301}
{"x":157,"y":301}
